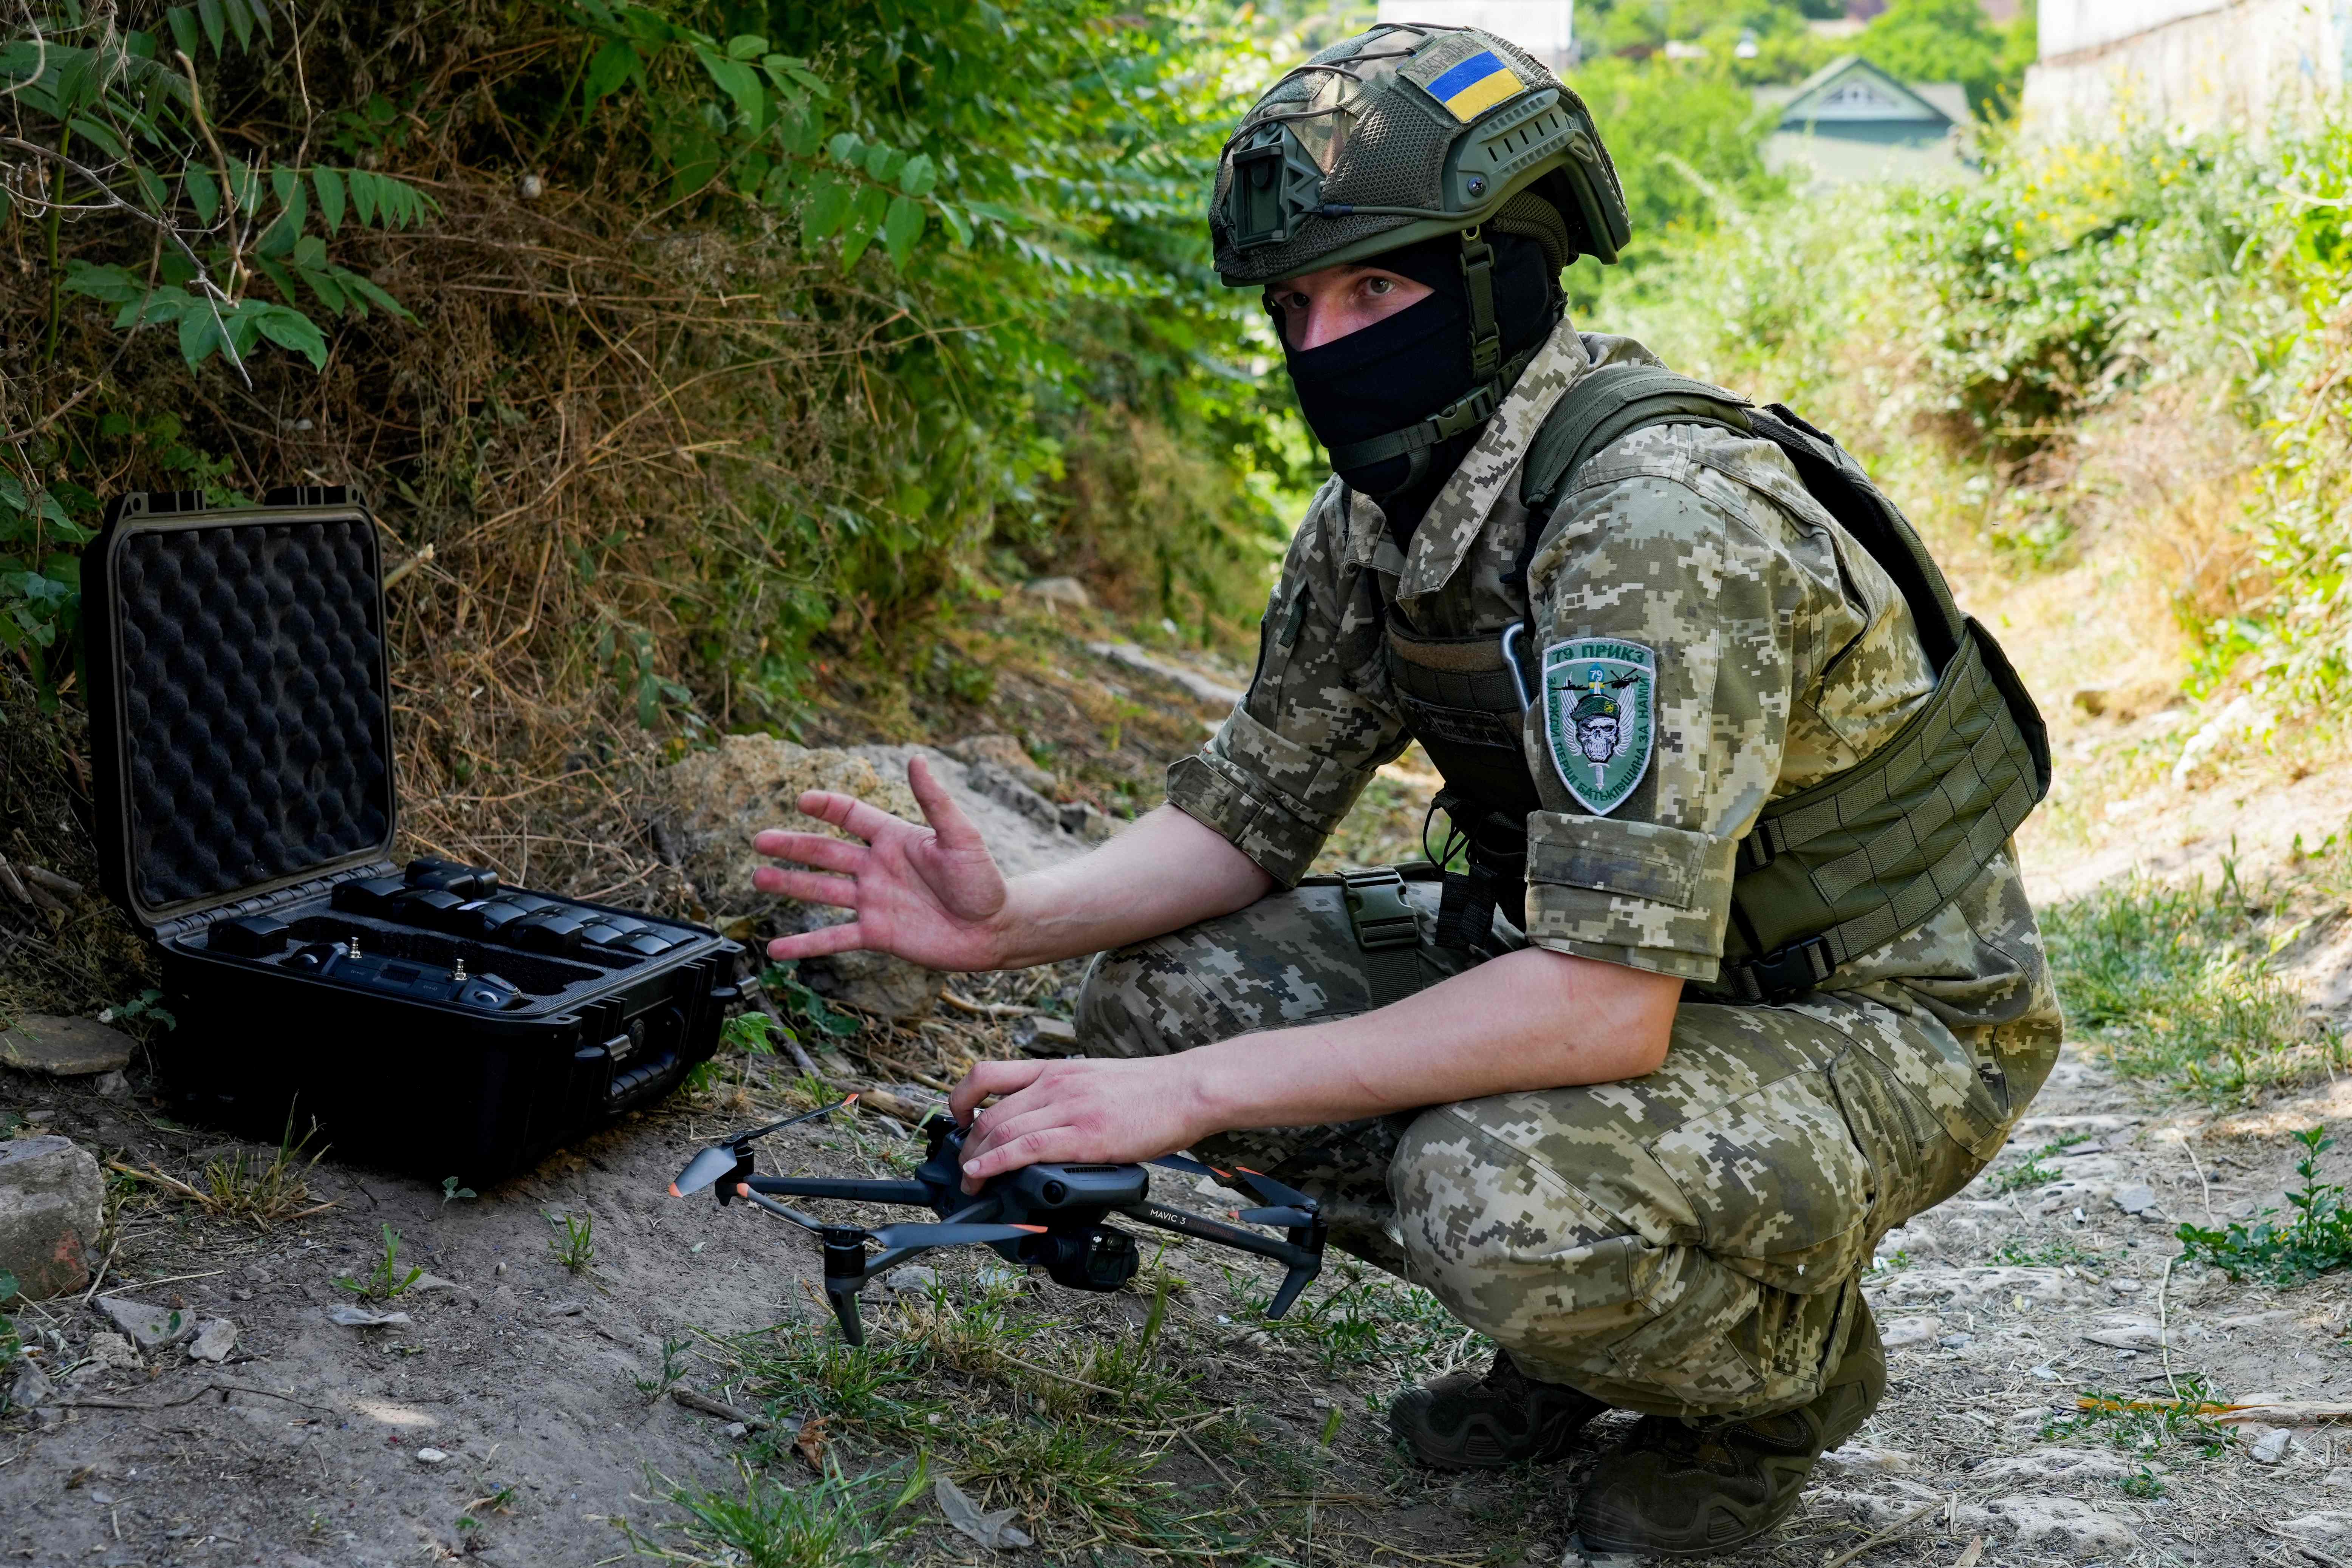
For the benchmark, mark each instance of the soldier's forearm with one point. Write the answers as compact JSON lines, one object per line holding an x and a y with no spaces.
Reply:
{"x":1165,"y":872}
{"x":1530,"y":1019}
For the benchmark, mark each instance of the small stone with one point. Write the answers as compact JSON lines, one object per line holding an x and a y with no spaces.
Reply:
{"x":2271,"y":1447}
{"x":1878,"y":1461}
{"x":1051,"y":1037}
{"x":51,"y":1203}
{"x":2135,"y":1200}
{"x":530,"y":187}
{"x":425,"y":1282}
{"x":1956,"y":1341}
{"x":2125,"y":1287}
{"x":567,"y":1308}
{"x":1899,"y":1333}
{"x":994,"y":1276}
{"x":112,"y":1353}
{"x":352,"y":1317}
{"x":216,"y":1337}
{"x":1066,"y":590}
{"x":27,"y":1384}
{"x":112,"y":1085}
{"x":735,"y":1429}
{"x":64,"y":1047}
{"x":911,"y":1280}
{"x":150,"y":1327}
{"x":431,"y":1457}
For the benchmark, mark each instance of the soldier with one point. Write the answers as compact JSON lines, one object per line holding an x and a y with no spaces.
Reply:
{"x":1625,"y":1103}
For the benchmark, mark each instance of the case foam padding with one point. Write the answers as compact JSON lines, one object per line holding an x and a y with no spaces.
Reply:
{"x":257,"y":735}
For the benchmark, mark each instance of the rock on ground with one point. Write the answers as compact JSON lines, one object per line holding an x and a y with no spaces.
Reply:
{"x":1004,"y":752}
{"x":150,"y":1327}
{"x":63,"y":1047}
{"x":715,"y":800}
{"x":51,"y":1201}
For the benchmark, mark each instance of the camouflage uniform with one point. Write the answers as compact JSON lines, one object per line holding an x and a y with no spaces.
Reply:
{"x":1689,"y":1243}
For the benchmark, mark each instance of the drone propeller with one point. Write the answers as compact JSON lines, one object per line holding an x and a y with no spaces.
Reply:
{"x":1270,"y":1191}
{"x":1189,"y":1166}
{"x":914,"y":1233}
{"x":1282,"y":1218}
{"x":925,"y":1234}
{"x":728,"y":1153}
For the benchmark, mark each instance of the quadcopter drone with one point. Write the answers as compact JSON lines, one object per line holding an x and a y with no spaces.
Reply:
{"x":1048,"y":1215}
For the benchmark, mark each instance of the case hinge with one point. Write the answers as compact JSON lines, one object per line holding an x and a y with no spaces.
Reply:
{"x":263,"y":903}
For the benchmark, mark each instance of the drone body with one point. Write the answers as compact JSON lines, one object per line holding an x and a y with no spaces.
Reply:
{"x":1052,"y":1216}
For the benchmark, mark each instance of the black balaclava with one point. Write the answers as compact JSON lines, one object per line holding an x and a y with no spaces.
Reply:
{"x":1417,"y":362}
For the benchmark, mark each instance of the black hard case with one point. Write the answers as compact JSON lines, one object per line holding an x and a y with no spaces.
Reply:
{"x":241,"y":722}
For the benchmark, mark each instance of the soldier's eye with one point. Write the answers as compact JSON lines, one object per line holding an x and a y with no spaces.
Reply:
{"x":1377,"y":287}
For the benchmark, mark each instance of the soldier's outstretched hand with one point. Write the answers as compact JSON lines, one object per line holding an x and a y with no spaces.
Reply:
{"x":931,"y":894}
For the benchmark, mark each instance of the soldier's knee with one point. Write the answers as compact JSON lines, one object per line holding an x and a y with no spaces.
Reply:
{"x":1124,"y":1002}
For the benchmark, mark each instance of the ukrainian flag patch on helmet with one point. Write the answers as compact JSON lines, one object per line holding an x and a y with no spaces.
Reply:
{"x":1466,"y":77}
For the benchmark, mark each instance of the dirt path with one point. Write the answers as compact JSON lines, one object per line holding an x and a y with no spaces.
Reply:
{"x":541,"y":1386}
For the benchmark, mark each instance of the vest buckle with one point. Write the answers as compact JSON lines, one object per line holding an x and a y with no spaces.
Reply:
{"x":1378,"y":910}
{"x":1785,"y":973}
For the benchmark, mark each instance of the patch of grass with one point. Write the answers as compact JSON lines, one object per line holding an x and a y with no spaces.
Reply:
{"x":2148,"y":1426}
{"x":2177,"y":982}
{"x":1368,"y":1320}
{"x":835,"y":1524}
{"x":2317,"y":1240}
{"x":2142,"y":1485}
{"x":574,"y":1242}
{"x":236,"y":1186}
{"x":2031,"y":1172}
{"x":2056,"y":1254}
{"x":387,"y":1280}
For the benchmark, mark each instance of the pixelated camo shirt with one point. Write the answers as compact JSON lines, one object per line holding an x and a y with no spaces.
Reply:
{"x":1785,"y":653}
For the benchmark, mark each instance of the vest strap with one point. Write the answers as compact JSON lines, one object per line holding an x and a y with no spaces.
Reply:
{"x":1388,"y":931}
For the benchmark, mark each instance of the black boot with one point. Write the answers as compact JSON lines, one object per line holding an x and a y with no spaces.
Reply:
{"x":1465,"y":1422}
{"x":1683,"y":1488}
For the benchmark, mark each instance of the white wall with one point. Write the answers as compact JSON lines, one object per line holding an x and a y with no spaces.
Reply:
{"x":1545,"y":28}
{"x":2067,"y":25}
{"x":2254,"y":64}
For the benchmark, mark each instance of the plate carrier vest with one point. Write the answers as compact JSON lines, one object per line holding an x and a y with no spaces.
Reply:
{"x":1826,"y":873}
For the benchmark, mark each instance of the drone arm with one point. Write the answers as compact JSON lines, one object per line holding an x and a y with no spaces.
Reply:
{"x":1305,"y":1263}
{"x":854,"y":1191}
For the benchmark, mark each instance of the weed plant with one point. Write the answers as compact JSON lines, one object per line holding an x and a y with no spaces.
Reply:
{"x":2177,"y":981}
{"x":2315,"y":1240}
{"x":386,"y":1281}
{"x":2141,"y":1425}
{"x":2031,"y":1172}
{"x":574,"y":1242}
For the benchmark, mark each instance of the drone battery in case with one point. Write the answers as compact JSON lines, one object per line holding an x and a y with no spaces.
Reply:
{"x":241,"y":721}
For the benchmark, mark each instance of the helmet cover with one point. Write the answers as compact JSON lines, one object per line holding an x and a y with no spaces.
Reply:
{"x":1399,"y":135}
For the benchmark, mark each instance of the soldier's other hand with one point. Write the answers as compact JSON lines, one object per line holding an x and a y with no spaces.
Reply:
{"x":930,"y":894}
{"x":1083,"y":1110}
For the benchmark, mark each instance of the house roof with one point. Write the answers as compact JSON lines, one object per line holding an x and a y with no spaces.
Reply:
{"x":1850,"y":89}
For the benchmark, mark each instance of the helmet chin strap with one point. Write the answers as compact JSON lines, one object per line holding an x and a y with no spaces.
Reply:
{"x":1415,"y":442}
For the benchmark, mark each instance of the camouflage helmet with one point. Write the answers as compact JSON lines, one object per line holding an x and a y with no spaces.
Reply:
{"x":1400,"y":134}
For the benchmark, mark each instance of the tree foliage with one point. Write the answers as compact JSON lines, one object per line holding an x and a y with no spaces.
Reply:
{"x":960,"y":235}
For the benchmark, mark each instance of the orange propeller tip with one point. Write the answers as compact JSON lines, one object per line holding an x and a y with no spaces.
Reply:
{"x":851,"y":1101}
{"x":673,"y":1192}
{"x":742,"y":1189}
{"x":1038,"y":1229}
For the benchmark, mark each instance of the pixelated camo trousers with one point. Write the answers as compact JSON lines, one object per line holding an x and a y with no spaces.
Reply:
{"x":1687,"y":1243}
